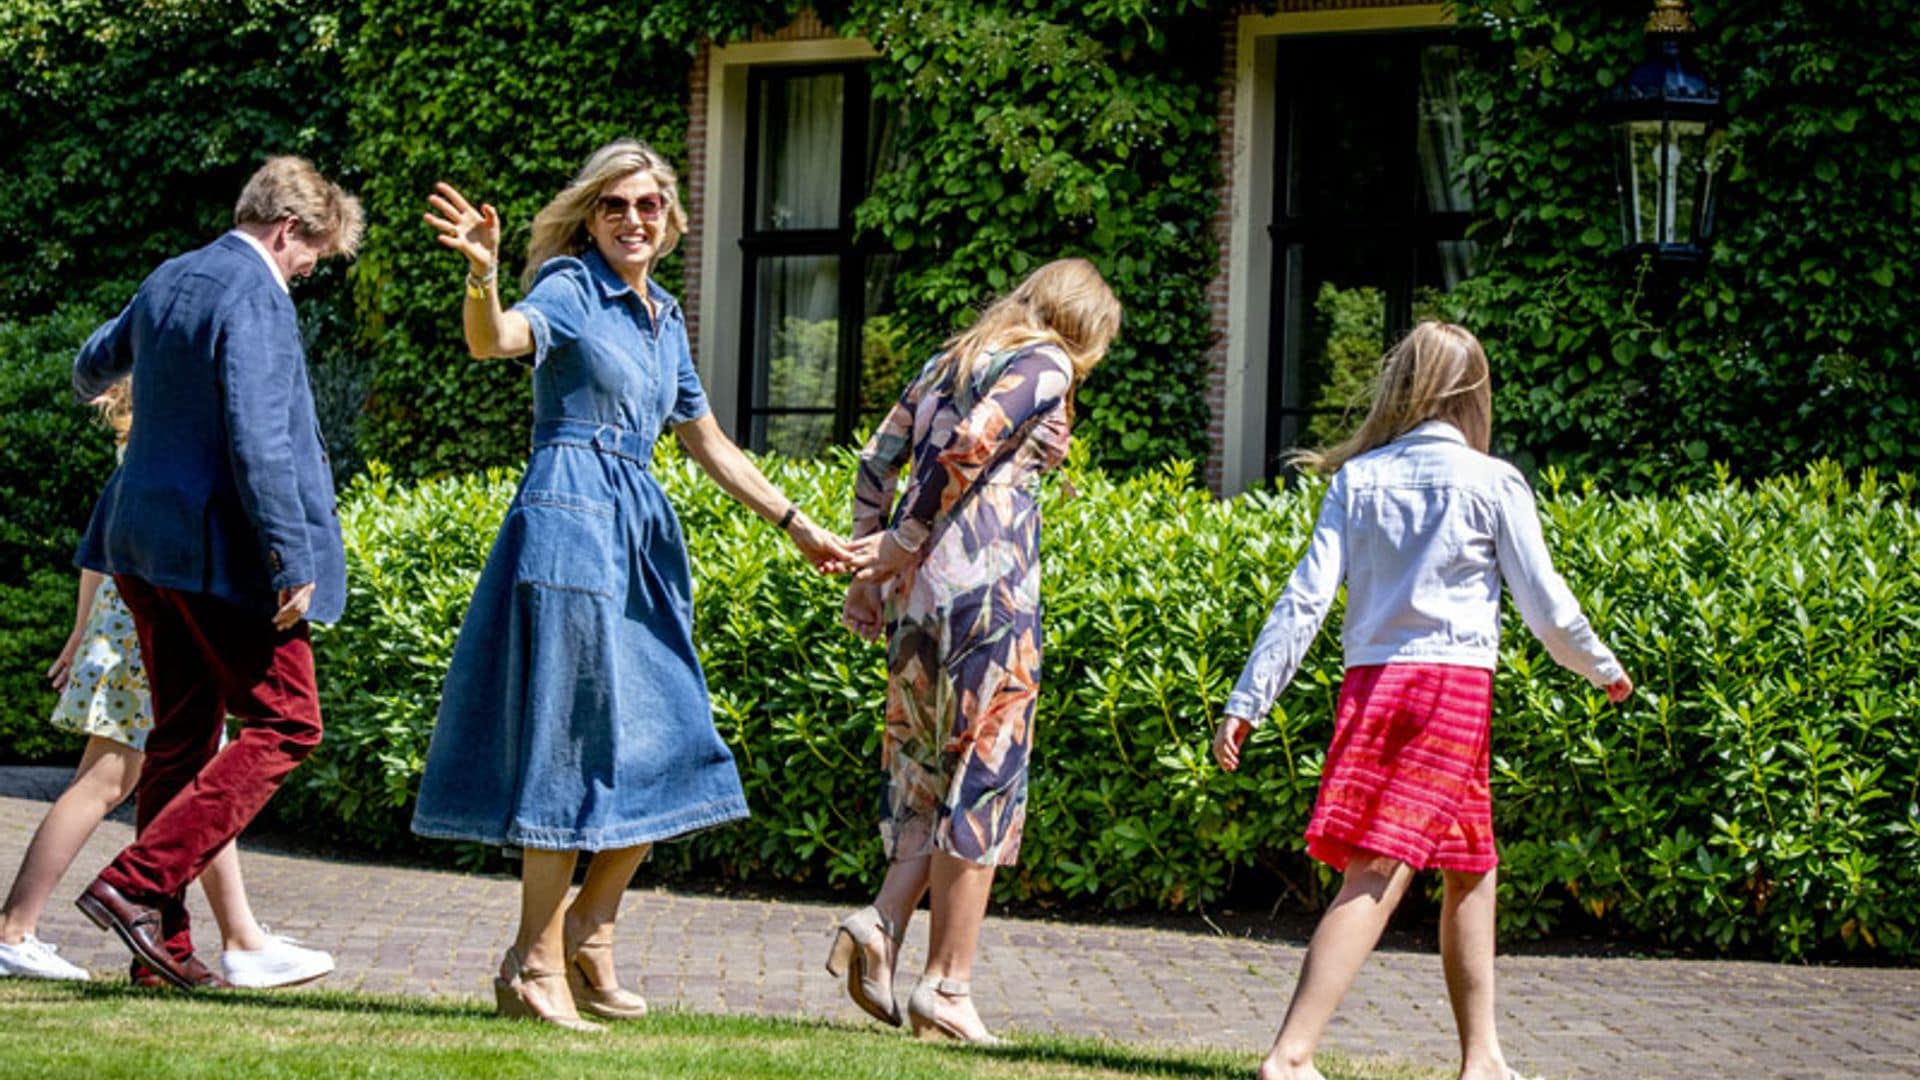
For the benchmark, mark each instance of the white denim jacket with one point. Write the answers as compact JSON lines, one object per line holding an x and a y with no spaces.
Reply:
{"x":1422,"y":530}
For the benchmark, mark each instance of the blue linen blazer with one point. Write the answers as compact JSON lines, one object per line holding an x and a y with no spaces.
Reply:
{"x":225,"y":488}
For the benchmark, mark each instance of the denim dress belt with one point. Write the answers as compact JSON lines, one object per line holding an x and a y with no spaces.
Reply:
{"x":604,"y":438}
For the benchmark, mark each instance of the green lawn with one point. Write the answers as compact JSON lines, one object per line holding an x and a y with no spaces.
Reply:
{"x":103,"y":1030}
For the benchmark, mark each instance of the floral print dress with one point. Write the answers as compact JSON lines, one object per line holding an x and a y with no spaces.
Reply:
{"x":963,"y":651}
{"x":106,"y":691}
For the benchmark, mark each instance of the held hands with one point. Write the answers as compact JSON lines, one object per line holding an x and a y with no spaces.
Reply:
{"x":293,"y":605}
{"x":862,"y":612}
{"x":472,"y":232}
{"x":828,"y":553}
{"x":881,"y":558}
{"x":1228,"y":740}
{"x":62,"y":667}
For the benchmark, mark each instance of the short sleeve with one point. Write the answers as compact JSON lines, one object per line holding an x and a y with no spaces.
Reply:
{"x":557,"y":306}
{"x":689,"y":398}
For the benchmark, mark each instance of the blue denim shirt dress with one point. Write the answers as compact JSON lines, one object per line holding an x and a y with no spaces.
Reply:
{"x":575,"y":716}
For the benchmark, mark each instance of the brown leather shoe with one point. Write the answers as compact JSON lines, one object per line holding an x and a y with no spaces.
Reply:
{"x":138,"y":926}
{"x":204,"y":977}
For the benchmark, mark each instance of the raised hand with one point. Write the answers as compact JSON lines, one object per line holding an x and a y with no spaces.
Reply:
{"x":473,"y":232}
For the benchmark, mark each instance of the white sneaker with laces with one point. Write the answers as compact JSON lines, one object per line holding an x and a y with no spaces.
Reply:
{"x":35,"y":959}
{"x":284,"y":962}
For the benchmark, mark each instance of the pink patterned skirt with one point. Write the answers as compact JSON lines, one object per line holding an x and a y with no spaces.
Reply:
{"x":1406,"y":776}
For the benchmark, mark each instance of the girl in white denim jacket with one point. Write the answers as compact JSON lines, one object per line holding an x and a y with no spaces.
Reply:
{"x":1422,"y":526}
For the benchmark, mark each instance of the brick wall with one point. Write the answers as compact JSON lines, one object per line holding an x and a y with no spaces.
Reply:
{"x":1221,"y":227}
{"x":693,"y":190}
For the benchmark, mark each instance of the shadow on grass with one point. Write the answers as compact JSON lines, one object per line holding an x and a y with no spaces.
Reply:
{"x":338,"y":1001}
{"x":1026,"y":1048}
{"x":1140,"y":1060}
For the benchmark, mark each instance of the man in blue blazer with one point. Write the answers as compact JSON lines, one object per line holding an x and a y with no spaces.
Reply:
{"x":220,"y":531}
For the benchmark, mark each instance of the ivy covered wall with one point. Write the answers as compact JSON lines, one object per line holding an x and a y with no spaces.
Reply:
{"x":1031,"y":129}
{"x":1028,"y":132}
{"x":1798,"y":341}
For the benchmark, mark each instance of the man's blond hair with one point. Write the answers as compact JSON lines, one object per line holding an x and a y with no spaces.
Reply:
{"x":290,"y":186}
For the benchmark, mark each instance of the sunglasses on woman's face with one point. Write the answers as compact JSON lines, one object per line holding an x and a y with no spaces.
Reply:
{"x":647,"y":207}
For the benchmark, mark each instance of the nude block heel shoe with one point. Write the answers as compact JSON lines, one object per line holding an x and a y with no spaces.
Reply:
{"x":923,"y":1009}
{"x":849,"y":958}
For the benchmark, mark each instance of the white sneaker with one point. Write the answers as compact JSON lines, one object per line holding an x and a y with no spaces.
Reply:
{"x":35,"y":959}
{"x":282,"y":963}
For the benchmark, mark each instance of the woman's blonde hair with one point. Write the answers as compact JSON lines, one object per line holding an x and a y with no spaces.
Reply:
{"x":289,"y":186}
{"x":1065,"y":303}
{"x":560,"y":228}
{"x":1437,"y":372}
{"x":115,"y":409}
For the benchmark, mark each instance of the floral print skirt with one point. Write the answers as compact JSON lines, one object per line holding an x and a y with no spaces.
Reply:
{"x":963,"y":667}
{"x":106,"y":692}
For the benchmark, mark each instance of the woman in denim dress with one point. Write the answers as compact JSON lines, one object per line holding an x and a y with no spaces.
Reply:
{"x":575,"y":715}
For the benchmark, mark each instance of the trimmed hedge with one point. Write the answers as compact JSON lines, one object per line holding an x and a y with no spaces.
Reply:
{"x":1758,"y":794}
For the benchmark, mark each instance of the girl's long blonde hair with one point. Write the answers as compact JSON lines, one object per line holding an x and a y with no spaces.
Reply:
{"x":1437,"y":372}
{"x":560,"y":228}
{"x":1065,"y":303}
{"x":115,"y":409}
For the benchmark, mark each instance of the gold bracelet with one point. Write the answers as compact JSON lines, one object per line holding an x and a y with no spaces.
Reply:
{"x":479,"y":287}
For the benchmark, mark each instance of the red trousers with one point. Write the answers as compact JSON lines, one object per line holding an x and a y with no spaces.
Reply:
{"x":207,"y":659}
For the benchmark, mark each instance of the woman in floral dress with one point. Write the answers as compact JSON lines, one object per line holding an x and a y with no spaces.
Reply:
{"x":955,"y":581}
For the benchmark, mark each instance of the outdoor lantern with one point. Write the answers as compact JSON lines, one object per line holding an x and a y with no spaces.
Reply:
{"x":1666,"y":121}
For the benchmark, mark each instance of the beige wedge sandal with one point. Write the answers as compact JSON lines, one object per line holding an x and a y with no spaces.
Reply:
{"x":509,"y":995}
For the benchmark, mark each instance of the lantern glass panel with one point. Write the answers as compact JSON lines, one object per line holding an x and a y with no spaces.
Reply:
{"x":1687,"y":160}
{"x":1640,"y":157}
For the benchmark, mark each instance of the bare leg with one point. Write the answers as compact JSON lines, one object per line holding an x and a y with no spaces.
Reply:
{"x":227,"y":896}
{"x":1467,"y":921}
{"x":106,"y":775}
{"x":545,"y":877}
{"x":900,"y":893}
{"x":960,"y":893}
{"x":1341,"y":943}
{"x":595,"y":907}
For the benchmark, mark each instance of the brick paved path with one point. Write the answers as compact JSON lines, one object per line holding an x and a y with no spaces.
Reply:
{"x":437,"y":932}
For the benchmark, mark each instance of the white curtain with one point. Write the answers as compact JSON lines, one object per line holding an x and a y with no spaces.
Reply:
{"x":1443,"y":145}
{"x":800,"y":135}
